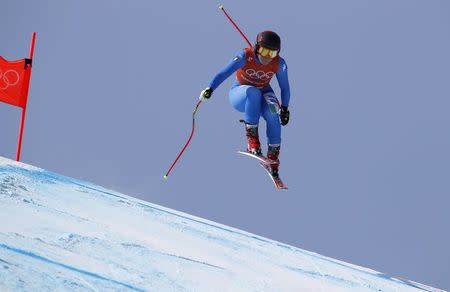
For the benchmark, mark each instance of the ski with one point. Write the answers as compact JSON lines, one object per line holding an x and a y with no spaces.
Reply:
{"x":261,"y":158}
{"x":265,"y":163}
{"x":279,"y":184}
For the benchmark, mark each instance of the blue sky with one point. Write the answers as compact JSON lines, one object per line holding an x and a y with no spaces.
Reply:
{"x":365,"y":154}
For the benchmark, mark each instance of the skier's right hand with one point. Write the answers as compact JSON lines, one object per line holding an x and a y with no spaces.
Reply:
{"x":206,"y":93}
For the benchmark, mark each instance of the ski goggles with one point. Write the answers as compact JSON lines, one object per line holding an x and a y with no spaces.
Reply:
{"x":265,"y":52}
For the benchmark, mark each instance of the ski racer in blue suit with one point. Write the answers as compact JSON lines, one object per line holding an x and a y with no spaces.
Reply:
{"x":252,"y":94}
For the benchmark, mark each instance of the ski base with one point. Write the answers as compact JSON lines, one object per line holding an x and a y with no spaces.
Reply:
{"x":261,"y":158}
{"x":279,"y":184}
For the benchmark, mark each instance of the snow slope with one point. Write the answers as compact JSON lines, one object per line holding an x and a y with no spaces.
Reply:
{"x":59,"y":233}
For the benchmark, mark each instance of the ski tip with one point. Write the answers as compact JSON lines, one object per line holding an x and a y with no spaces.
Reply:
{"x":221,"y":7}
{"x":165,"y":177}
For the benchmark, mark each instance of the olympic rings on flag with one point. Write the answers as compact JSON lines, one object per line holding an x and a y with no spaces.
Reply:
{"x":9,"y":78}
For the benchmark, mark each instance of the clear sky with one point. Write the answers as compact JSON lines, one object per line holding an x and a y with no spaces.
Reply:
{"x":366,"y":153}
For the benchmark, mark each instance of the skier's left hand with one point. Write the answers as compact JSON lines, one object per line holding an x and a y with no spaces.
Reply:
{"x":284,"y":115}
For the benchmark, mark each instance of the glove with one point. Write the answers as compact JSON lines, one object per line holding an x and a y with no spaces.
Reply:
{"x":284,"y":115}
{"x":206,"y":93}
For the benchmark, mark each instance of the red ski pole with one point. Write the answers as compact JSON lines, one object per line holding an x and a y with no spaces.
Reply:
{"x":235,"y":25}
{"x":188,"y":141}
{"x":199,"y":102}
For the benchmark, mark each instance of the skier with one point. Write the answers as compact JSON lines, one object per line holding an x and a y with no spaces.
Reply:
{"x":252,"y":94}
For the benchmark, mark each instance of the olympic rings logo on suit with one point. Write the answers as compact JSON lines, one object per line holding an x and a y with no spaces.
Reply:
{"x":259,"y":74}
{"x":9,"y":78}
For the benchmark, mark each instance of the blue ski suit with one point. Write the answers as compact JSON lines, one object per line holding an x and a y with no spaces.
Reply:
{"x":253,"y":101}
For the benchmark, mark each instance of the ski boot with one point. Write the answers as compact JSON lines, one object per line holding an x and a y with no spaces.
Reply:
{"x":253,"y":145}
{"x":272,"y":168}
{"x":273,"y":151}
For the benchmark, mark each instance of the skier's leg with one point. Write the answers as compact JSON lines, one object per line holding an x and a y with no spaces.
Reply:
{"x":248,"y":99}
{"x":272,"y":118}
{"x":273,"y":129}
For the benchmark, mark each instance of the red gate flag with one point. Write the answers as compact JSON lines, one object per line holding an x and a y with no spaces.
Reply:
{"x":14,"y":81}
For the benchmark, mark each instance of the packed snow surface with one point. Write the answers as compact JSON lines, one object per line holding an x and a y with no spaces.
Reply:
{"x":59,"y":233}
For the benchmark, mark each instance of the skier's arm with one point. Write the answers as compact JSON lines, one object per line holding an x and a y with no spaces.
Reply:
{"x":223,"y":74}
{"x":229,"y":69}
{"x":282,"y":77}
{"x":283,"y":81}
